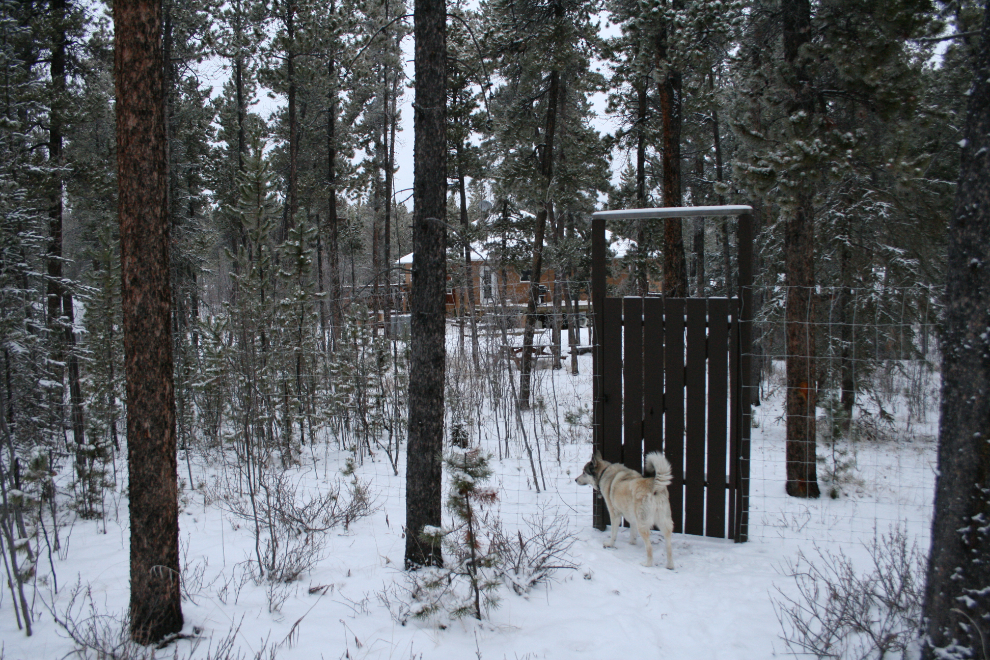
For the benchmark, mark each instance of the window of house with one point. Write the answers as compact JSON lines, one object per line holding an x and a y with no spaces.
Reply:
{"x":525,"y":275}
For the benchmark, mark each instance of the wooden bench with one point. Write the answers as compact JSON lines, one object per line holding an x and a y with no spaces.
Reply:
{"x":537,"y":351}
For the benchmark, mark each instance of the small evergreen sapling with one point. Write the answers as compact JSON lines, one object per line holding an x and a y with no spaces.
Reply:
{"x":470,"y":578}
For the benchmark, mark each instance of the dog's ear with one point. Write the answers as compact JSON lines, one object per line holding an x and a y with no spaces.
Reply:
{"x":597,"y":458}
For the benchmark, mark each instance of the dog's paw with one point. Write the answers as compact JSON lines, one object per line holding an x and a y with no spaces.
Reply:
{"x":670,"y":567}
{"x":648,"y":564}
{"x":608,"y":544}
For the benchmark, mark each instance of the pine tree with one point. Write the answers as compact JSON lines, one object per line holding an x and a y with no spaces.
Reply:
{"x":142,"y":177}
{"x":956,"y":606}
{"x":428,"y":355}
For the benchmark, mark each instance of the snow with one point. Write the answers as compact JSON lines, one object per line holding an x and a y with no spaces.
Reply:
{"x":716,"y":604}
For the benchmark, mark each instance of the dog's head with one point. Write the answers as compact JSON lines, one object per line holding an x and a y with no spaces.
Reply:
{"x":593,"y":468}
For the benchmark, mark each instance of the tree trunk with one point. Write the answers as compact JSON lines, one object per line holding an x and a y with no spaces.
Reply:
{"x":290,"y":71}
{"x":142,"y":171}
{"x":557,"y":226}
{"x":546,"y":166}
{"x":957,"y":605}
{"x":643,"y":277}
{"x":333,"y":239}
{"x":799,"y":269}
{"x":675,"y":283}
{"x":429,"y":277}
{"x":468,"y":269}
{"x":60,"y":305}
{"x":799,"y":252}
{"x":389,"y":203}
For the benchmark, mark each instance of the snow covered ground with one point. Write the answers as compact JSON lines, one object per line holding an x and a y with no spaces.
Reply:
{"x":715,"y":604}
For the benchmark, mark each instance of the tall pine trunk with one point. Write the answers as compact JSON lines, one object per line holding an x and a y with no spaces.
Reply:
{"x":546,"y":167}
{"x":643,"y":277}
{"x":60,"y":304}
{"x":333,"y":239}
{"x":957,"y":605}
{"x":429,"y":277}
{"x":142,"y":177}
{"x":799,"y":269}
{"x":675,"y":282}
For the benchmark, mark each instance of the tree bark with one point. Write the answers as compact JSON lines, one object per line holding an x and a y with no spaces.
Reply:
{"x":429,"y":276}
{"x":142,"y":175}
{"x":957,"y":606}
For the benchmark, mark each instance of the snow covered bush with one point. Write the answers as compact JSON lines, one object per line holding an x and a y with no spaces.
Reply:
{"x":289,"y":526}
{"x":839,"y":613}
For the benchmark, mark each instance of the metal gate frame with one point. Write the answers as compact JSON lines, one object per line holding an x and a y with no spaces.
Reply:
{"x":612,"y":420}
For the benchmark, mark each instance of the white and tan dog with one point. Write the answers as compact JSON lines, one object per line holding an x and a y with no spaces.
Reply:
{"x":642,"y":501}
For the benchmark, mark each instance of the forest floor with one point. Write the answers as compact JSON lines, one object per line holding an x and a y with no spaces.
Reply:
{"x":718,"y":602}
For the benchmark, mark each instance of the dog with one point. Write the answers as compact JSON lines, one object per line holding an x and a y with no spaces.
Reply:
{"x":642,"y":501}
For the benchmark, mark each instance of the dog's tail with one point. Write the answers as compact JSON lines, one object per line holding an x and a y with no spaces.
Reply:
{"x":662,"y":471}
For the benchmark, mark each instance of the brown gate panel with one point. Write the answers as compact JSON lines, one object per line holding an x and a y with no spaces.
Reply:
{"x":718,"y":391}
{"x":671,"y":375}
{"x":666,"y":376}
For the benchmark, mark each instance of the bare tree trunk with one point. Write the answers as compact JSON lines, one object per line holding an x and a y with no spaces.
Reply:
{"x":142,"y":171}
{"x":389,"y":203}
{"x":546,"y":166}
{"x":429,"y":276}
{"x":468,"y":269}
{"x":957,"y":605}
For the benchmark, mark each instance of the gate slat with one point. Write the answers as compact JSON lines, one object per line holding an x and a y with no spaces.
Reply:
{"x":694,"y":390}
{"x":674,"y":402}
{"x":612,"y":383}
{"x":632,"y":381}
{"x":718,"y":330}
{"x":652,"y":375}
{"x":734,"y":418}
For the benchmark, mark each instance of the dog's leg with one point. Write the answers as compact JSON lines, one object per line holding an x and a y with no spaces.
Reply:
{"x":644,"y":531}
{"x":615,"y":522}
{"x":668,"y":531}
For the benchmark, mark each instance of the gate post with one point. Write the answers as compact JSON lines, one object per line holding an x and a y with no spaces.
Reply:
{"x":598,"y":248}
{"x":745,"y":238}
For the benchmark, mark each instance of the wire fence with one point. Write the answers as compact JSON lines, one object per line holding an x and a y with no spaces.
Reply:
{"x":874,"y":377}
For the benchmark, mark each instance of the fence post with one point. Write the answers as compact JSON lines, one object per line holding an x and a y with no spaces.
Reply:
{"x":598,"y":248}
{"x":745,"y":237}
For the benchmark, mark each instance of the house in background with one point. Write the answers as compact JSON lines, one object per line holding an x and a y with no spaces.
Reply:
{"x":486,"y":280}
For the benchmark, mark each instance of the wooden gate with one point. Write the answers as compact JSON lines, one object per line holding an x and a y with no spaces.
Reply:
{"x":672,"y":375}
